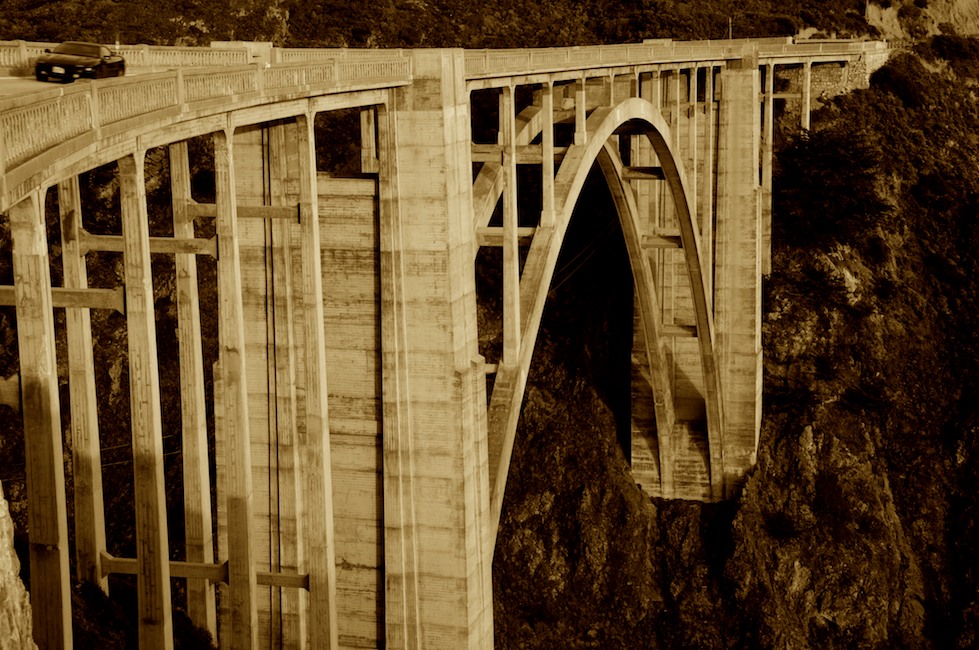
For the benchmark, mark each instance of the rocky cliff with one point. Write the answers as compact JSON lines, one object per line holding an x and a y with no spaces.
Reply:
{"x":15,"y":609}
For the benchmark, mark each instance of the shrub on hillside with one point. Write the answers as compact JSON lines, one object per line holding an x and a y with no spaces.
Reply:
{"x":817,"y":203}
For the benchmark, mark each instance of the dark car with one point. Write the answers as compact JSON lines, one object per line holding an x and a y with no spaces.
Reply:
{"x":74,"y":59}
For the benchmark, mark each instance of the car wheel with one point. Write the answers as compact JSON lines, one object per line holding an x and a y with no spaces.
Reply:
{"x":40,"y":76}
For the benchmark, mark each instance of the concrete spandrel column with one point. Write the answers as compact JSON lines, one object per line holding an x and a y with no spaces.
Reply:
{"x":806,"y":94}
{"x":47,"y":510}
{"x":153,"y":580}
{"x":766,"y":166}
{"x":436,"y":487}
{"x":738,"y":258}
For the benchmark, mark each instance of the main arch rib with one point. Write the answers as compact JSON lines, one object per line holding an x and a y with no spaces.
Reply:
{"x":542,"y":258}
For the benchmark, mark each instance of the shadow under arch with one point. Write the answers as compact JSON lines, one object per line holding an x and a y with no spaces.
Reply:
{"x":638,"y":117}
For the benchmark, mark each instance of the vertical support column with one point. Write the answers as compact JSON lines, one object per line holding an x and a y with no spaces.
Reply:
{"x":402,"y":600}
{"x":647,"y":193}
{"x":436,"y":489}
{"x":511,"y":253}
{"x":768,"y":142}
{"x":47,"y":510}
{"x":234,"y":399}
{"x":198,"y":535}
{"x":368,"y":141}
{"x":86,"y":454}
{"x":286,"y":614}
{"x":806,"y":94}
{"x":580,"y":107}
{"x":153,"y":555}
{"x":317,"y":481}
{"x":707,"y":201}
{"x":676,"y":121}
{"x":694,"y":133}
{"x":547,"y":151}
{"x":737,"y":294}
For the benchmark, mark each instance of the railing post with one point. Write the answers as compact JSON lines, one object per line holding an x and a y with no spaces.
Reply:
{"x":96,"y":111}
{"x":181,"y":89}
{"x":153,"y":580}
{"x":47,"y":509}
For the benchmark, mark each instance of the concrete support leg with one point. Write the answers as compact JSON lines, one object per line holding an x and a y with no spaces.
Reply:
{"x":47,"y":510}
{"x":547,"y":162}
{"x":199,"y":537}
{"x":768,"y":144}
{"x":737,"y":297}
{"x":511,"y":254}
{"x":317,"y":481}
{"x":153,"y":556}
{"x":242,"y":596}
{"x":435,"y":467}
{"x":806,"y":94}
{"x":86,"y":453}
{"x":284,"y":620}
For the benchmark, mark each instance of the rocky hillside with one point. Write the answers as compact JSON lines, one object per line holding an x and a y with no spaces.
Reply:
{"x":15,"y":610}
{"x":857,"y":528}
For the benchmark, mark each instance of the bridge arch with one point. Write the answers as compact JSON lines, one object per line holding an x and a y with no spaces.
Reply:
{"x":635,"y":116}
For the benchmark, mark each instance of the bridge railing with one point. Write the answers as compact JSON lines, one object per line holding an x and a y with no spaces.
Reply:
{"x":305,"y":54}
{"x":19,"y":56}
{"x":488,"y":63}
{"x":828,"y":47}
{"x":31,"y":124}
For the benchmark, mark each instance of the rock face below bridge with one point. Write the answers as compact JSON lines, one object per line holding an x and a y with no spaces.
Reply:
{"x":15,"y":608}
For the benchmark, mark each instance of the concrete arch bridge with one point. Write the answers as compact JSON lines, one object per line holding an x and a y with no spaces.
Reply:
{"x":344,"y":446}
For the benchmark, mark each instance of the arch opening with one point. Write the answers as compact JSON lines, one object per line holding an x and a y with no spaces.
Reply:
{"x":540,"y":269}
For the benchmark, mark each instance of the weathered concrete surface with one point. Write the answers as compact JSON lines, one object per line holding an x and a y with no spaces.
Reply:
{"x":15,"y":606}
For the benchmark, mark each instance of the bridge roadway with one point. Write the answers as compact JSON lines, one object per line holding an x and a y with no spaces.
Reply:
{"x":365,"y":397}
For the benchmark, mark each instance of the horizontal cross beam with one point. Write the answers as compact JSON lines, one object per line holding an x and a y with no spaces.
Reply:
{"x":215,"y":573}
{"x":172,"y":245}
{"x":661,"y":241}
{"x":527,"y":154}
{"x":493,"y":235}
{"x":195,"y":209}
{"x":678,"y":331}
{"x":75,"y":298}
{"x":637,"y":173}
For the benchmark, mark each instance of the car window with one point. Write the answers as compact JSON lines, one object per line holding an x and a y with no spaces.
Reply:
{"x":79,"y":49}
